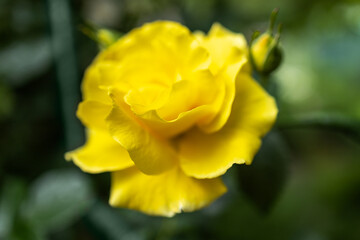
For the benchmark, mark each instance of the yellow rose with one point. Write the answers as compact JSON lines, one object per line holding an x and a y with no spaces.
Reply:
{"x":167,"y":113}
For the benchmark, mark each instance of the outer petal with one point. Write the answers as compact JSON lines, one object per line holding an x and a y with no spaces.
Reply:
{"x":150,"y":153}
{"x":90,"y":86}
{"x":253,"y":114}
{"x":101,"y":153}
{"x":93,"y":114}
{"x":164,"y":194}
{"x":161,"y":35}
{"x":225,"y":47}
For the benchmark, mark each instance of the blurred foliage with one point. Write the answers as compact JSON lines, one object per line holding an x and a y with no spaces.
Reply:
{"x":51,"y":203}
{"x":303,"y":184}
{"x":263,"y":180}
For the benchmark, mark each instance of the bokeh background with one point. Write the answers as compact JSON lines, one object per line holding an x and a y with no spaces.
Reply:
{"x":304,"y":183}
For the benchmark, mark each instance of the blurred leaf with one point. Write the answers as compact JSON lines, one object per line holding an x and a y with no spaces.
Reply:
{"x":23,"y":230}
{"x":199,"y":13}
{"x":107,"y":223}
{"x":6,"y":101}
{"x":263,"y":180}
{"x":23,"y":60}
{"x":13,"y":191}
{"x":57,"y":199}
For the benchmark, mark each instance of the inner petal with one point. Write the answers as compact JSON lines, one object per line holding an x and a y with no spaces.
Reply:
{"x":146,"y":98}
{"x":200,"y":89}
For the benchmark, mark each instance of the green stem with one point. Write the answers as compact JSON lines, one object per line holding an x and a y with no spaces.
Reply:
{"x":264,"y":80}
{"x":63,"y":45}
{"x":335,"y":122}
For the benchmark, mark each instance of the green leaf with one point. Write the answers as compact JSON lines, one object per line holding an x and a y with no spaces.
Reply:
{"x":107,"y":223}
{"x":57,"y":199}
{"x":23,"y":230}
{"x":263,"y":180}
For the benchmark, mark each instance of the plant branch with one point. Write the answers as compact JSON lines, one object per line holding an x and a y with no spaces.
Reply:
{"x":335,"y":122}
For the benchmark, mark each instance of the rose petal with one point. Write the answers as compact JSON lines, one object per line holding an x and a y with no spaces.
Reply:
{"x":93,"y":114}
{"x":224,"y":112}
{"x":150,"y":153}
{"x":90,"y":86}
{"x":185,"y":121}
{"x":228,"y":52}
{"x":101,"y":153}
{"x":200,"y":89}
{"x":210,"y":155}
{"x":225,"y":48}
{"x":192,"y":102}
{"x":164,"y":194}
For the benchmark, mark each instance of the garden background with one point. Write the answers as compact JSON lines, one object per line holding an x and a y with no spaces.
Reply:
{"x":303,"y":184}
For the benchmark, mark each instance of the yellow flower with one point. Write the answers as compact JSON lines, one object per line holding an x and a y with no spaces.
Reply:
{"x":167,"y":113}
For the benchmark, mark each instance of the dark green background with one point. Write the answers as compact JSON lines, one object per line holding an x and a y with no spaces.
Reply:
{"x":304,"y":183}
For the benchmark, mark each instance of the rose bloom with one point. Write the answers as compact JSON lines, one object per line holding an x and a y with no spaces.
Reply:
{"x":168,"y":112}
